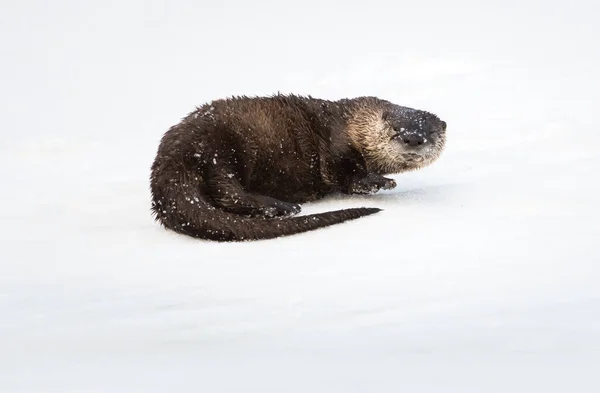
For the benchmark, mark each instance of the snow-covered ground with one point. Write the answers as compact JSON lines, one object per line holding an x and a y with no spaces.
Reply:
{"x":481,"y":275}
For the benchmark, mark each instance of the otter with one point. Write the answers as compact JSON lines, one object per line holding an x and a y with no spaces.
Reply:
{"x":238,"y":168}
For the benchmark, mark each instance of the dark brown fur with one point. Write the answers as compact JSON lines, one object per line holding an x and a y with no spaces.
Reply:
{"x":236,"y":169}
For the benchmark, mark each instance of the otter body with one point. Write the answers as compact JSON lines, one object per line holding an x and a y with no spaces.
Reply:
{"x":238,"y":168}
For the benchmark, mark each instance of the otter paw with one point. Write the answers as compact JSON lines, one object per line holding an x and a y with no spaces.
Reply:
{"x":291,"y":209}
{"x":363,"y":188}
{"x":281,"y":209}
{"x":371,"y":184}
{"x":388,"y":184}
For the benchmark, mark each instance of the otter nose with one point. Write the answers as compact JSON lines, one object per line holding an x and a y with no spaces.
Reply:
{"x":413,"y":140}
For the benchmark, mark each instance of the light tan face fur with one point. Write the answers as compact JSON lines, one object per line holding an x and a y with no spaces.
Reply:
{"x":372,"y":132}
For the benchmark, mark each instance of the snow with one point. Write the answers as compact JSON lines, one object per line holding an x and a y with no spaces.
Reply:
{"x":480,"y":275}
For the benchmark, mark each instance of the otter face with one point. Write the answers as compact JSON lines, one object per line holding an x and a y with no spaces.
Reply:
{"x":417,"y":137}
{"x":396,"y":139}
{"x":414,"y":139}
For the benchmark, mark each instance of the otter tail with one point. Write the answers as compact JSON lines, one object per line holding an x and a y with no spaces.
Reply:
{"x":185,"y":210}
{"x":223,"y":226}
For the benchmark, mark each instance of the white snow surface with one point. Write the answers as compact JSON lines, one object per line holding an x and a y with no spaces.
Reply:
{"x":481,"y":274}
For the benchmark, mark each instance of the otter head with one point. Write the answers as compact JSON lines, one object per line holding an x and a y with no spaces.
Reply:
{"x":395,"y":139}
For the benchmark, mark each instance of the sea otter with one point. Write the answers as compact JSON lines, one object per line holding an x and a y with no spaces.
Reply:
{"x":237,"y":169}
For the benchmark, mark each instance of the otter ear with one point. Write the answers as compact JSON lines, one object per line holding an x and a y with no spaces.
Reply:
{"x":443,"y":125}
{"x":386,"y":115}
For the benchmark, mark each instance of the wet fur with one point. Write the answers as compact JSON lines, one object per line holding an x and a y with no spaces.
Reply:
{"x":238,"y":168}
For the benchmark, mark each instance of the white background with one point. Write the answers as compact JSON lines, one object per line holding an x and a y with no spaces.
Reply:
{"x":481,"y":274}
